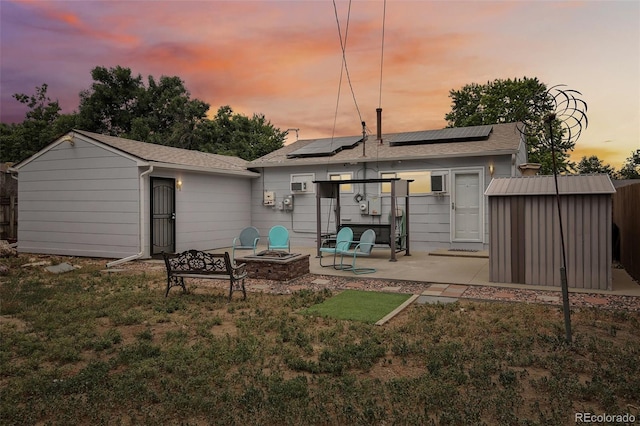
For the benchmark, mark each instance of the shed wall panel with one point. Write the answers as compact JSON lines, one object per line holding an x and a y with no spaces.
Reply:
{"x":500,"y":242}
{"x":586,"y":224}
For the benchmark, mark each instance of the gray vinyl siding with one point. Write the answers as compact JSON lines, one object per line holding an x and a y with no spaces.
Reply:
{"x":79,"y":200}
{"x":210,"y":209}
{"x":430,"y":216}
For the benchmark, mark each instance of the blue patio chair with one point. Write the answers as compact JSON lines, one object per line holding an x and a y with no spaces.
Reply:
{"x":362,"y":248}
{"x":342,"y":243}
{"x":279,"y":238}
{"x":248,"y":240}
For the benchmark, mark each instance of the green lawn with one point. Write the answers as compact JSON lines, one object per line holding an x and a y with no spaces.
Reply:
{"x":366,"y":306}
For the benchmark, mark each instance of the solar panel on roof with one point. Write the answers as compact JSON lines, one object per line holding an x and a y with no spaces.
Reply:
{"x":325,"y":147}
{"x":455,"y":134}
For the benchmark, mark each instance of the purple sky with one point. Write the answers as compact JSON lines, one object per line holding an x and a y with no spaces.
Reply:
{"x":283,"y":58}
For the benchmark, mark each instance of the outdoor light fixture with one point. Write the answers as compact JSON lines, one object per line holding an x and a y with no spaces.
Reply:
{"x":491,"y":169}
{"x":179,"y":184}
{"x":68,"y":138}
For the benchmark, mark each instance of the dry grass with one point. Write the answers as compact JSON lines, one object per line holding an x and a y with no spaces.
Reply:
{"x":90,"y":348}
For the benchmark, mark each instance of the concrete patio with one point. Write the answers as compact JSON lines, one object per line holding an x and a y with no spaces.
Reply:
{"x":448,"y":269}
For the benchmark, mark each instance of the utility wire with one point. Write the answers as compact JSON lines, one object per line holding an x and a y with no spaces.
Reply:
{"x":384,"y":15}
{"x":335,"y":116}
{"x":344,"y":56}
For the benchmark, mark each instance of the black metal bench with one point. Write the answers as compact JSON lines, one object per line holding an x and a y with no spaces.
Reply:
{"x":198,"y":264}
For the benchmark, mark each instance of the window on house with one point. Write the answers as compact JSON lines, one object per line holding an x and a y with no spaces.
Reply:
{"x":421,"y":181}
{"x":346,"y":187}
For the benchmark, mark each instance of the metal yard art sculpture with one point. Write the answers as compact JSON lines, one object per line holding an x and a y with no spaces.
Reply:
{"x":563,"y":120}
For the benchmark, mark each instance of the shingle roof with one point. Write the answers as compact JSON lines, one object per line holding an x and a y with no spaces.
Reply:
{"x":173,"y":156}
{"x":504,"y":139}
{"x":545,"y":185}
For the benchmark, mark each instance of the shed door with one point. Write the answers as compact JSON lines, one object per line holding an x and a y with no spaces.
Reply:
{"x":163,"y":215}
{"x":466,"y":207}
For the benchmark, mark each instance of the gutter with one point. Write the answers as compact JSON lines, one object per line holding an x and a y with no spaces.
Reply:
{"x":141,"y":229}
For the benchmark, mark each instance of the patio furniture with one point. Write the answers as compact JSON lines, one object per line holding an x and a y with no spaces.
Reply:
{"x":279,"y":239}
{"x":202,"y":265}
{"x":342,"y":243}
{"x":362,"y":248}
{"x":248,"y":240}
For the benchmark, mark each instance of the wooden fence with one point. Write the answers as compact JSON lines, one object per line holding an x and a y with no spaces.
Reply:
{"x":8,"y":205}
{"x":626,"y":205}
{"x":9,"y":218}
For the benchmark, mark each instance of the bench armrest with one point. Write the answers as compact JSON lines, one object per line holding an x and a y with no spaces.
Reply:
{"x":238,"y":269}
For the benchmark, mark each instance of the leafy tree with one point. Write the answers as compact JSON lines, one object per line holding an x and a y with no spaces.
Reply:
{"x":236,"y":134}
{"x":112,"y":102}
{"x":120,"y":104}
{"x":167,"y":115}
{"x":42,"y":124}
{"x":593,"y":164}
{"x":631,"y":167}
{"x":508,"y":101}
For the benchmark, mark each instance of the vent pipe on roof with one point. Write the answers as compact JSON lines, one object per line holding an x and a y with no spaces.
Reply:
{"x":379,"y":124}
{"x":364,"y":137}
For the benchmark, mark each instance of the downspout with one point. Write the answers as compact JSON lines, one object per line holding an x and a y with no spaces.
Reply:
{"x":141,"y":228}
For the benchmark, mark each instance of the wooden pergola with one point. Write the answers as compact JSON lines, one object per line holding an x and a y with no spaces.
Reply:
{"x":331,"y":189}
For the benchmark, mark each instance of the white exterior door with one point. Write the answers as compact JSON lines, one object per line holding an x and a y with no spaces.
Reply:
{"x":466,"y":207}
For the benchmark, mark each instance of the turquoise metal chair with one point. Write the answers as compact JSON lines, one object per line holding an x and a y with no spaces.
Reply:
{"x":279,"y":238}
{"x":362,"y":248}
{"x":342,"y":243}
{"x":248,"y":240}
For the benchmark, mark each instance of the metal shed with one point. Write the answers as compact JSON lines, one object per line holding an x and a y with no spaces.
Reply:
{"x":524,"y":230}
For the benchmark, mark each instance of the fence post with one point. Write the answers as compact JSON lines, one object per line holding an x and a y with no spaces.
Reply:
{"x":12,"y":217}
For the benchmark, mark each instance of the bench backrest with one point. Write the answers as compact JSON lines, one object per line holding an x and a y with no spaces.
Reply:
{"x":196,"y":261}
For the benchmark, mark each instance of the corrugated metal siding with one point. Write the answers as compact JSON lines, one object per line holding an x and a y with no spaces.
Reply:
{"x":500,"y":242}
{"x":536,"y":254}
{"x":545,"y":185}
{"x":79,"y":200}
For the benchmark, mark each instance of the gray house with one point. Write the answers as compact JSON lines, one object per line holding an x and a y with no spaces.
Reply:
{"x":94,"y":195}
{"x":449,"y":168}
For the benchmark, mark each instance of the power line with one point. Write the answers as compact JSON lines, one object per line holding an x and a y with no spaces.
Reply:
{"x":344,"y":56}
{"x":384,"y":15}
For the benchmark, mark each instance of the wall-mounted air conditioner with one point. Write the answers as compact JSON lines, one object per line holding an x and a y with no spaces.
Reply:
{"x":438,"y":184}
{"x":299,"y":186}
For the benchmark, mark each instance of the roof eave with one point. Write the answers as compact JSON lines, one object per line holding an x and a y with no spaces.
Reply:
{"x":208,"y":170}
{"x":294,"y":162}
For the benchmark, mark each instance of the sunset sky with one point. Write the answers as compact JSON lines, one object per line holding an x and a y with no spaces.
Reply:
{"x":283,"y":58}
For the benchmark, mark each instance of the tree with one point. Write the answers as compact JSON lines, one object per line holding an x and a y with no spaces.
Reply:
{"x":120,"y":104}
{"x":235,"y":134}
{"x":111,"y":104}
{"x":42,"y":124}
{"x":631,"y":167}
{"x":508,"y":101}
{"x":167,"y":114}
{"x":162,"y":112}
{"x":593,"y":164}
